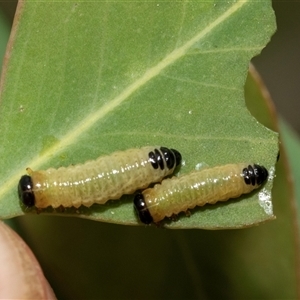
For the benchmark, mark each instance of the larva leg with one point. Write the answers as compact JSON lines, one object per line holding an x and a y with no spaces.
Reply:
{"x":174,"y":217}
{"x":38,"y":211}
{"x":188,"y":213}
{"x":61,"y":209}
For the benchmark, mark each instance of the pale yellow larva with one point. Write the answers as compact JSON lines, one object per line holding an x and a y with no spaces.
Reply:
{"x":196,"y":189}
{"x":108,"y":177}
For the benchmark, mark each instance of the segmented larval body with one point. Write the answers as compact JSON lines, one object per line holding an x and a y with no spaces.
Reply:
{"x":108,"y":177}
{"x":196,"y":189}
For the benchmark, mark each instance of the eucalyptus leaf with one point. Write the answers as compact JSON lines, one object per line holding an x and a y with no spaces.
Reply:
{"x":84,"y":79}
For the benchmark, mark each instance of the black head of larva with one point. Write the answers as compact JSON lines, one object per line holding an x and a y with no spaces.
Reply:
{"x":141,"y":209}
{"x":255,"y":174}
{"x":177,"y":156}
{"x":25,"y":192}
{"x":158,"y":158}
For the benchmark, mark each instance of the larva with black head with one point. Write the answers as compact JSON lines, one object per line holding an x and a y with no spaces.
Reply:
{"x":197,"y":188}
{"x":108,"y":177}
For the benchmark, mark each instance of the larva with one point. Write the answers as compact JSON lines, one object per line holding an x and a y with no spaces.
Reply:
{"x":108,"y":177}
{"x":196,"y":189}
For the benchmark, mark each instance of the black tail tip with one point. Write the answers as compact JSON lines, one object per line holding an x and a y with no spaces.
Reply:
{"x":25,"y":192}
{"x":141,"y":209}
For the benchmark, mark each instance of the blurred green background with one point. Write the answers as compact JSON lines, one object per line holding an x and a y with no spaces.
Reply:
{"x":85,"y":260}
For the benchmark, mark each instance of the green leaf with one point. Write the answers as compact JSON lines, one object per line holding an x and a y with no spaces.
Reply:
{"x":85,"y":79}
